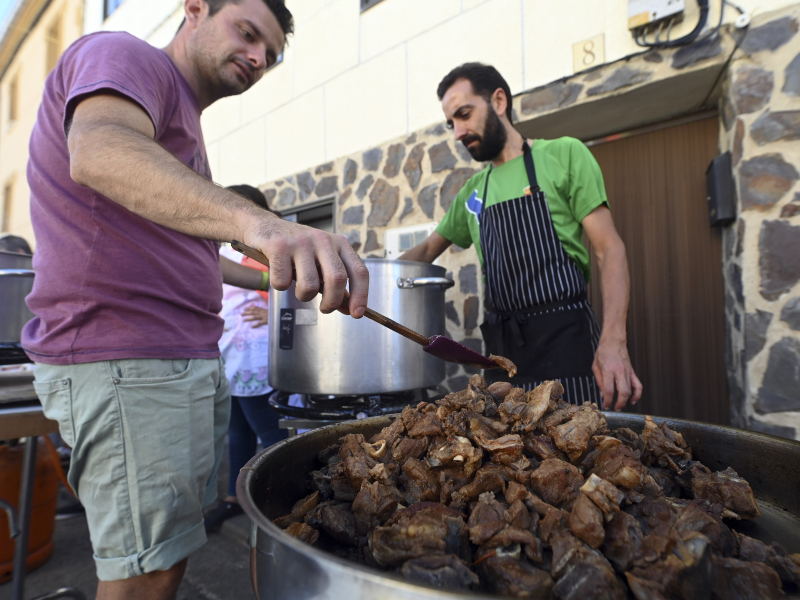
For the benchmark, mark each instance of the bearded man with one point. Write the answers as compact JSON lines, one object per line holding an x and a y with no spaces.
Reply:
{"x":129,"y":282}
{"x":526,"y":213}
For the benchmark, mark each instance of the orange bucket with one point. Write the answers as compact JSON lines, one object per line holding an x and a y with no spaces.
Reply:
{"x":43,"y":509}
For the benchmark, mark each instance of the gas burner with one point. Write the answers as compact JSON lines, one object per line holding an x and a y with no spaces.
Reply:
{"x":319,"y":410}
{"x":13,"y":354}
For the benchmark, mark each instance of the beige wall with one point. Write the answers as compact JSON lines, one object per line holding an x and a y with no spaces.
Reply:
{"x":352,"y":80}
{"x":29,"y":66}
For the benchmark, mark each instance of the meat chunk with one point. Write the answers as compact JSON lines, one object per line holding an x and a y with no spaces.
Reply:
{"x":447,"y":572}
{"x":573,"y":436}
{"x":622,"y":541}
{"x":504,"y":450}
{"x":582,"y":573}
{"x":407,"y":447}
{"x":485,"y":481}
{"x":728,"y":489}
{"x":504,"y":363}
{"x":510,"y":537}
{"x":338,"y":521}
{"x":373,"y":505}
{"x":664,"y":447}
{"x":654,"y":516}
{"x":299,"y":511}
{"x":420,"y":481}
{"x":513,"y":577}
{"x":471,"y":398}
{"x":774,"y":555}
{"x":739,"y":580}
{"x":456,"y":451}
{"x":303,"y":532}
{"x":425,"y":529}
{"x":391,"y":433}
{"x":695,"y":518}
{"x":517,"y":515}
{"x":606,"y":496}
{"x":355,"y":460}
{"x":618,"y":466}
{"x":486,"y":519}
{"x":499,"y":390}
{"x":586,"y":522}
{"x":451,"y":480}
{"x":665,"y":480}
{"x":420,"y":424}
{"x":540,"y":447}
{"x":556,"y":482}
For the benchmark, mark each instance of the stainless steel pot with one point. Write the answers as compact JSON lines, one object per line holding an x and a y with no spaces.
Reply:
{"x":284,"y":568}
{"x":16,"y":282}
{"x":312,"y":353}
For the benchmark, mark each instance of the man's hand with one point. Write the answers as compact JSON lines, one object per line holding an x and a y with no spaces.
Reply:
{"x":613,"y":371}
{"x":256,"y":315}
{"x":113,"y":151}
{"x":612,"y":365}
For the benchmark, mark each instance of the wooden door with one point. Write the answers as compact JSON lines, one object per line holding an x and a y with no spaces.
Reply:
{"x":676,"y":335}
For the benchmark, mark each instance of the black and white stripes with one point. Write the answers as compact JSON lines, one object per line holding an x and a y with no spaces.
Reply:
{"x":526,"y":265}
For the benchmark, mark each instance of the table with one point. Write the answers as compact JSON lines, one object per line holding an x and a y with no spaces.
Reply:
{"x":26,"y":420}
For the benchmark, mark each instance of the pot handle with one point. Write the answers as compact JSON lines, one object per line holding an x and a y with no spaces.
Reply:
{"x":412,"y":282}
{"x":16,"y":273}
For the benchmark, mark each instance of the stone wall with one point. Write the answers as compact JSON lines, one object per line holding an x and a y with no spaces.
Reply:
{"x":761,"y":126}
{"x":406,"y":181}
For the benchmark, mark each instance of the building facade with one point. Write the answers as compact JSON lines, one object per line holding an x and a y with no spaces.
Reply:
{"x":36,"y":34}
{"x":348,"y":122}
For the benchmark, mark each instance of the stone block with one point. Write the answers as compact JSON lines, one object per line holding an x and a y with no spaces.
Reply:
{"x":305,"y":183}
{"x":354,"y":237}
{"x":270,"y":195}
{"x":776,"y":126}
{"x":468,"y":279}
{"x":326,"y":168}
{"x":451,"y":313}
{"x":652,"y":57}
{"x":413,"y":167}
{"x":408,"y":208}
{"x":364,"y":186}
{"x":394,"y":160}
{"x":412,"y":139}
{"x":738,"y":138}
{"x":621,"y":78}
{"x":471,"y":313}
{"x":385,"y":200}
{"x":780,"y":268}
{"x":697,"y":52}
{"x":791,"y":313}
{"x":345,"y":195}
{"x":463,"y":153}
{"x":350,"y":172}
{"x":453,"y":184}
{"x":735,"y":281}
{"x":780,"y":388}
{"x":371,"y":159}
{"x":556,"y":95}
{"x":752,"y":89}
{"x":755,"y":332}
{"x":728,"y":113}
{"x":287,"y":197}
{"x":442,"y":158}
{"x":769,"y":428}
{"x":764,"y":180}
{"x":353,"y":215}
{"x":437,"y":130}
{"x":791,"y":85}
{"x":740,"y":230}
{"x":427,"y":199}
{"x":792,"y":209}
{"x":327,"y":186}
{"x":372,"y":243}
{"x":769,"y":36}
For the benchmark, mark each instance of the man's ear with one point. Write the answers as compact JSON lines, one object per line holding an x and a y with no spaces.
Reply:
{"x":499,"y":101}
{"x":195,"y":11}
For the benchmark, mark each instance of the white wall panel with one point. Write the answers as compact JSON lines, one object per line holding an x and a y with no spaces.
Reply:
{"x":295,"y":135}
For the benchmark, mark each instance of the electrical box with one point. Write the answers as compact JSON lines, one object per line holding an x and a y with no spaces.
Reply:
{"x":644,"y":13}
{"x":400,"y":239}
{"x":719,"y":182}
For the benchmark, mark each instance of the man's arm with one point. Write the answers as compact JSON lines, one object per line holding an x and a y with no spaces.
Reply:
{"x":113,"y":151}
{"x":429,"y":250}
{"x":238,"y":275}
{"x":612,"y":365}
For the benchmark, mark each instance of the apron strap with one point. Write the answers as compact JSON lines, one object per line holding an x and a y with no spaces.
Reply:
{"x":529,"y":169}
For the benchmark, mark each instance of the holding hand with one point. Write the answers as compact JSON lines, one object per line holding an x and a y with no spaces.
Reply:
{"x":256,"y":315}
{"x":613,"y":371}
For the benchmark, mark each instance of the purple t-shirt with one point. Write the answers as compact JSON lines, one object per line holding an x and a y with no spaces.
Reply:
{"x":110,"y":284}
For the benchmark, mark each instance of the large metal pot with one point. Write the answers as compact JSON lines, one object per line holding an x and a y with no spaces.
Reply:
{"x":284,"y":568}
{"x":312,"y":353}
{"x":16,"y":282}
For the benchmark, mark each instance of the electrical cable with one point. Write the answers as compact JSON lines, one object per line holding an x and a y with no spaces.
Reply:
{"x":688,"y":38}
{"x":727,"y":62}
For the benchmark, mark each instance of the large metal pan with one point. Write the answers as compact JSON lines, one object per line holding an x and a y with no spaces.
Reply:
{"x":284,"y":568}
{"x":16,"y":282}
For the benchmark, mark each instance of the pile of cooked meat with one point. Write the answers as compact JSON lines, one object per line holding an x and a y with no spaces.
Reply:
{"x":521,"y":494}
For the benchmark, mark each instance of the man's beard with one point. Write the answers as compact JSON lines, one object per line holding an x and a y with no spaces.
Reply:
{"x":492,"y":142}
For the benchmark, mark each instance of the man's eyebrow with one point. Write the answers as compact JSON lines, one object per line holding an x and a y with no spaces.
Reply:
{"x":460,"y":110}
{"x":271,"y":55}
{"x":254,"y":27}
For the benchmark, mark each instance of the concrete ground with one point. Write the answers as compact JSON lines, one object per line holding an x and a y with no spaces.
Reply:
{"x":220,"y":570}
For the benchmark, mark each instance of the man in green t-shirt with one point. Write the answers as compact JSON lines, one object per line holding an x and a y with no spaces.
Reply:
{"x":526,"y":213}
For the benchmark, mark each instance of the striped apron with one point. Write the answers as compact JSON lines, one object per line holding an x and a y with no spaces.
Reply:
{"x":537,"y":312}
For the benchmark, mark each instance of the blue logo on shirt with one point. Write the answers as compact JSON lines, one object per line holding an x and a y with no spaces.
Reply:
{"x":475,"y":205}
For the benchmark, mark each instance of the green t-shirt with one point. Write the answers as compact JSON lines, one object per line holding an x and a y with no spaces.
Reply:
{"x":567,"y":173}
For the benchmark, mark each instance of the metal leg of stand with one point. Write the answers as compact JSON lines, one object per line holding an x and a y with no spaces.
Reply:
{"x":25,"y":501}
{"x":63,"y":593}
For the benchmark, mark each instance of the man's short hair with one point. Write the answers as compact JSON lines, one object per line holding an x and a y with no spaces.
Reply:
{"x":485,"y":79}
{"x":278,"y":8}
{"x":251,"y":193}
{"x":14,"y":243}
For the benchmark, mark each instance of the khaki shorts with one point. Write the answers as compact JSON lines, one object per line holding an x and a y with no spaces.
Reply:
{"x":147,"y":438}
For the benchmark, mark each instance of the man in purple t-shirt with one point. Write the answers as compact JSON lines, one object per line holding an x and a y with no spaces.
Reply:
{"x":128,"y":278}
